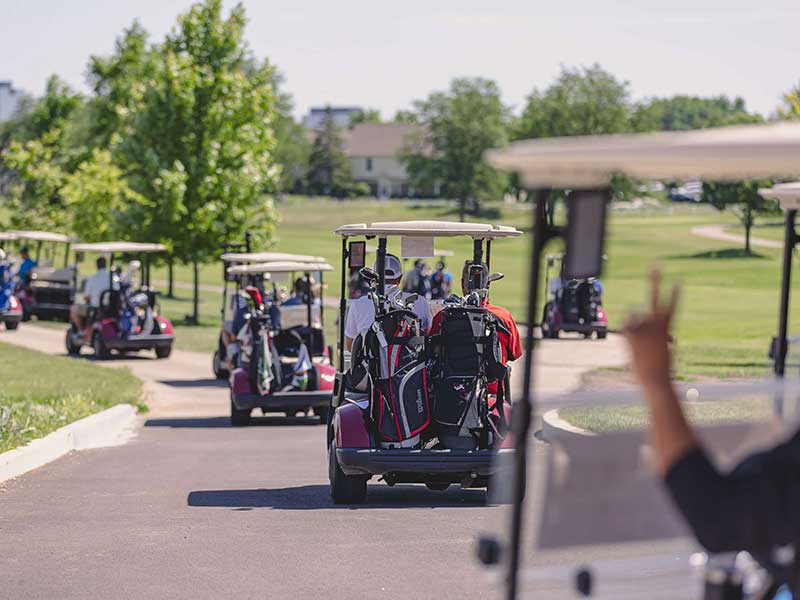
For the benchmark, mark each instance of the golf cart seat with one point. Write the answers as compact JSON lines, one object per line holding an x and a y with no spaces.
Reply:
{"x":109,"y":304}
{"x":52,"y":274}
{"x":312,"y":337}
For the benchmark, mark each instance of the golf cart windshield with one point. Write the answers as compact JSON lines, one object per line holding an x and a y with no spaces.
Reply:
{"x":594,"y":516}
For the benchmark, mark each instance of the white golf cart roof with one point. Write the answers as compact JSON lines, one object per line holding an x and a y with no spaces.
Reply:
{"x":428,"y":229}
{"x":121,"y":247}
{"x":8,"y":236}
{"x":721,"y":153}
{"x":279,"y":267}
{"x":43,"y":236}
{"x":436,"y":251}
{"x":788,"y":194}
{"x":261,"y":257}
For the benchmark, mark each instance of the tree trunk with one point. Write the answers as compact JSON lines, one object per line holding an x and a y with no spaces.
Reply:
{"x":462,"y":204}
{"x":196,"y":295}
{"x":170,"y":278}
{"x":748,"y":224}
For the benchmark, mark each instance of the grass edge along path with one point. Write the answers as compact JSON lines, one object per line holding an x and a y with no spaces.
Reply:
{"x":41,"y":393}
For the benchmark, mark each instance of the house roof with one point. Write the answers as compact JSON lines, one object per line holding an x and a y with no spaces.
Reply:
{"x":378,"y":139}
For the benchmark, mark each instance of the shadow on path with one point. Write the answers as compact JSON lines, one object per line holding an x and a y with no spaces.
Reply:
{"x":206,"y":382}
{"x":721,"y":254}
{"x":315,"y":497}
{"x":224,"y":422}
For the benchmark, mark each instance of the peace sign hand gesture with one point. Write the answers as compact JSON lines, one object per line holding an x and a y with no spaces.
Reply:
{"x":648,"y":336}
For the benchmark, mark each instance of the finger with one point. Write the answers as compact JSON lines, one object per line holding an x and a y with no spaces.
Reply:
{"x":655,"y":290}
{"x":674,"y":297}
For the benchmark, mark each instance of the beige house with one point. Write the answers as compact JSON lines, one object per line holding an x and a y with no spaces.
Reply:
{"x":373,"y":150}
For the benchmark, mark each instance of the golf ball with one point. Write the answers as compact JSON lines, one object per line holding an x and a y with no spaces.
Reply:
{"x":692,"y":394}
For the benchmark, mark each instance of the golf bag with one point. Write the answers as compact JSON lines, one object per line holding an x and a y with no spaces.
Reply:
{"x":467,"y":357}
{"x":389,"y":363}
{"x":259,"y":355}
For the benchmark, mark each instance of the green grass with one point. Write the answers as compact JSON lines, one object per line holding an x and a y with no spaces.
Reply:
{"x":627,"y":418}
{"x":60,"y":390}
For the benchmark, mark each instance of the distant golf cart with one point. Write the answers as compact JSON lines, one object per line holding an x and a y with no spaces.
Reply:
{"x":48,"y":290}
{"x":587,"y":516}
{"x":127,"y":319}
{"x":10,"y":308}
{"x":268,"y":356}
{"x":408,"y":407}
{"x":573,"y":305}
{"x":233,"y":283}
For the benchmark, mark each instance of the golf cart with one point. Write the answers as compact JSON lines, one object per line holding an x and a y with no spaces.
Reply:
{"x":48,"y":290}
{"x":233,"y":283}
{"x":573,"y":304}
{"x":10,"y":308}
{"x":587,"y":517}
{"x":410,"y":407}
{"x":275,"y":342}
{"x":127,"y":318}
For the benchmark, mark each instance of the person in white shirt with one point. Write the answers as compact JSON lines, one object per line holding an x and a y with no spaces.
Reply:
{"x":361,"y":314}
{"x":93,"y":289}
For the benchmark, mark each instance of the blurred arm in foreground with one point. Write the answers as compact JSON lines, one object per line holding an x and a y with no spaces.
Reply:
{"x":755,"y":507}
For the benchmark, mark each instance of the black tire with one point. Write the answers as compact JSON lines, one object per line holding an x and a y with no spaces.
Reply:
{"x":12,"y":325}
{"x":239,"y":417}
{"x":73,"y":349}
{"x":100,"y":350}
{"x":587,"y":336}
{"x":345,"y":489}
{"x":437,"y":487}
{"x":220,"y":372}
{"x":163,"y":351}
{"x":601,"y":335}
{"x":322,"y":413}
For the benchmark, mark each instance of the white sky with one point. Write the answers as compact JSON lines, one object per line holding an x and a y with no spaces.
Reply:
{"x":384,"y":54}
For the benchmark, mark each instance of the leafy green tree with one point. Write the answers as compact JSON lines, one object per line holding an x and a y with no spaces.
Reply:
{"x":367,"y":115}
{"x":405,"y":116}
{"x":743,"y":198}
{"x":460,"y":125}
{"x":329,"y":169}
{"x":791,"y":104}
{"x":201,"y":145}
{"x":690,"y":112}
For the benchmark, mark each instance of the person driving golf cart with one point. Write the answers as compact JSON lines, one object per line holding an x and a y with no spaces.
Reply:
{"x":361,"y":314}
{"x":26,"y":265}
{"x":93,"y":288}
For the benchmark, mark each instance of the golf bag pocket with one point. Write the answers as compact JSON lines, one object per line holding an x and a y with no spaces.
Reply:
{"x":458,"y":399}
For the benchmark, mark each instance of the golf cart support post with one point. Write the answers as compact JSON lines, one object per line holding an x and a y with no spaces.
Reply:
{"x":588,"y":163}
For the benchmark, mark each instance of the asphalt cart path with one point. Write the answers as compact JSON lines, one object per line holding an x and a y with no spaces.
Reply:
{"x":194,"y":508}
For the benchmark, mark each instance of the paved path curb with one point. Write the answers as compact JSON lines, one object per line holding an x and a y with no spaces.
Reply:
{"x":554,"y":427}
{"x":107,"y":428}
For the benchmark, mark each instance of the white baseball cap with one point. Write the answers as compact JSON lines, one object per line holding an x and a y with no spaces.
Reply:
{"x":393,"y":267}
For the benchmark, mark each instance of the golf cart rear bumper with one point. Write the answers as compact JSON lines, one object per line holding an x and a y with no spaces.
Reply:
{"x":140,"y":342}
{"x":280,"y":401}
{"x":583,"y":327}
{"x":11,"y":316}
{"x":360,"y":461}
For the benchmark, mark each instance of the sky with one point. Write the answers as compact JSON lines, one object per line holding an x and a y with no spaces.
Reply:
{"x":383,"y":54}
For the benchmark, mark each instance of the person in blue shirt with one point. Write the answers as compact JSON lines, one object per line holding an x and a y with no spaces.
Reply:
{"x":27,"y":264}
{"x":6,"y":283}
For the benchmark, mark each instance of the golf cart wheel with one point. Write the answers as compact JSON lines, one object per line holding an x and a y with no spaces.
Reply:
{"x":99,"y":346}
{"x":220,"y":372}
{"x":12,"y":325}
{"x":437,"y":487}
{"x":73,"y":349}
{"x":322,"y":413}
{"x":163,"y":351}
{"x":345,"y":489}
{"x":239,"y":417}
{"x":601,"y":335}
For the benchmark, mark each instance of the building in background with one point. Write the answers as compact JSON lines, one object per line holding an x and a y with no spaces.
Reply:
{"x":9,"y":100}
{"x":374,"y":152}
{"x":341,"y":116}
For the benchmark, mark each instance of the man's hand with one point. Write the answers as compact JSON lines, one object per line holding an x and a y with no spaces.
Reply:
{"x":649,"y":337}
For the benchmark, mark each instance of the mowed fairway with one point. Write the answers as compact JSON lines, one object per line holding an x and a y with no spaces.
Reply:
{"x":728,"y":306}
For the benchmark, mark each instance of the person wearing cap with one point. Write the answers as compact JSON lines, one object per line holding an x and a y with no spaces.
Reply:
{"x":361,"y":314}
{"x":27,"y":264}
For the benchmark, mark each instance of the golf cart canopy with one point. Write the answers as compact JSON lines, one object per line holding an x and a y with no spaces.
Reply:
{"x":722,"y":153}
{"x":7,"y":236}
{"x":121,"y":247}
{"x":483,"y":231}
{"x":279,"y":267}
{"x":788,"y":194}
{"x":43,"y":236}
{"x":263,"y":257}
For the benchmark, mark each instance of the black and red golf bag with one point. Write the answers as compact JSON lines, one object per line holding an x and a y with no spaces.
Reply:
{"x":466,"y":358}
{"x":389,"y":362}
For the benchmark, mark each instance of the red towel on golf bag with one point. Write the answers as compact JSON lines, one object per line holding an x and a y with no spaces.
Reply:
{"x":395,"y":350}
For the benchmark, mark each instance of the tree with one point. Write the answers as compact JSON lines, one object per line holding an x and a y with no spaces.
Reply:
{"x":744,"y":199}
{"x":368,"y":115}
{"x":791,"y":104}
{"x":690,"y":112}
{"x":460,"y":125}
{"x":582,"y":101}
{"x":405,"y":116}
{"x":329,"y":170}
{"x":200,"y":145}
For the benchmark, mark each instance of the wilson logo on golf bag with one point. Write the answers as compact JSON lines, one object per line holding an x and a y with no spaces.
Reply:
{"x":390,"y":359}
{"x":467,"y":358}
